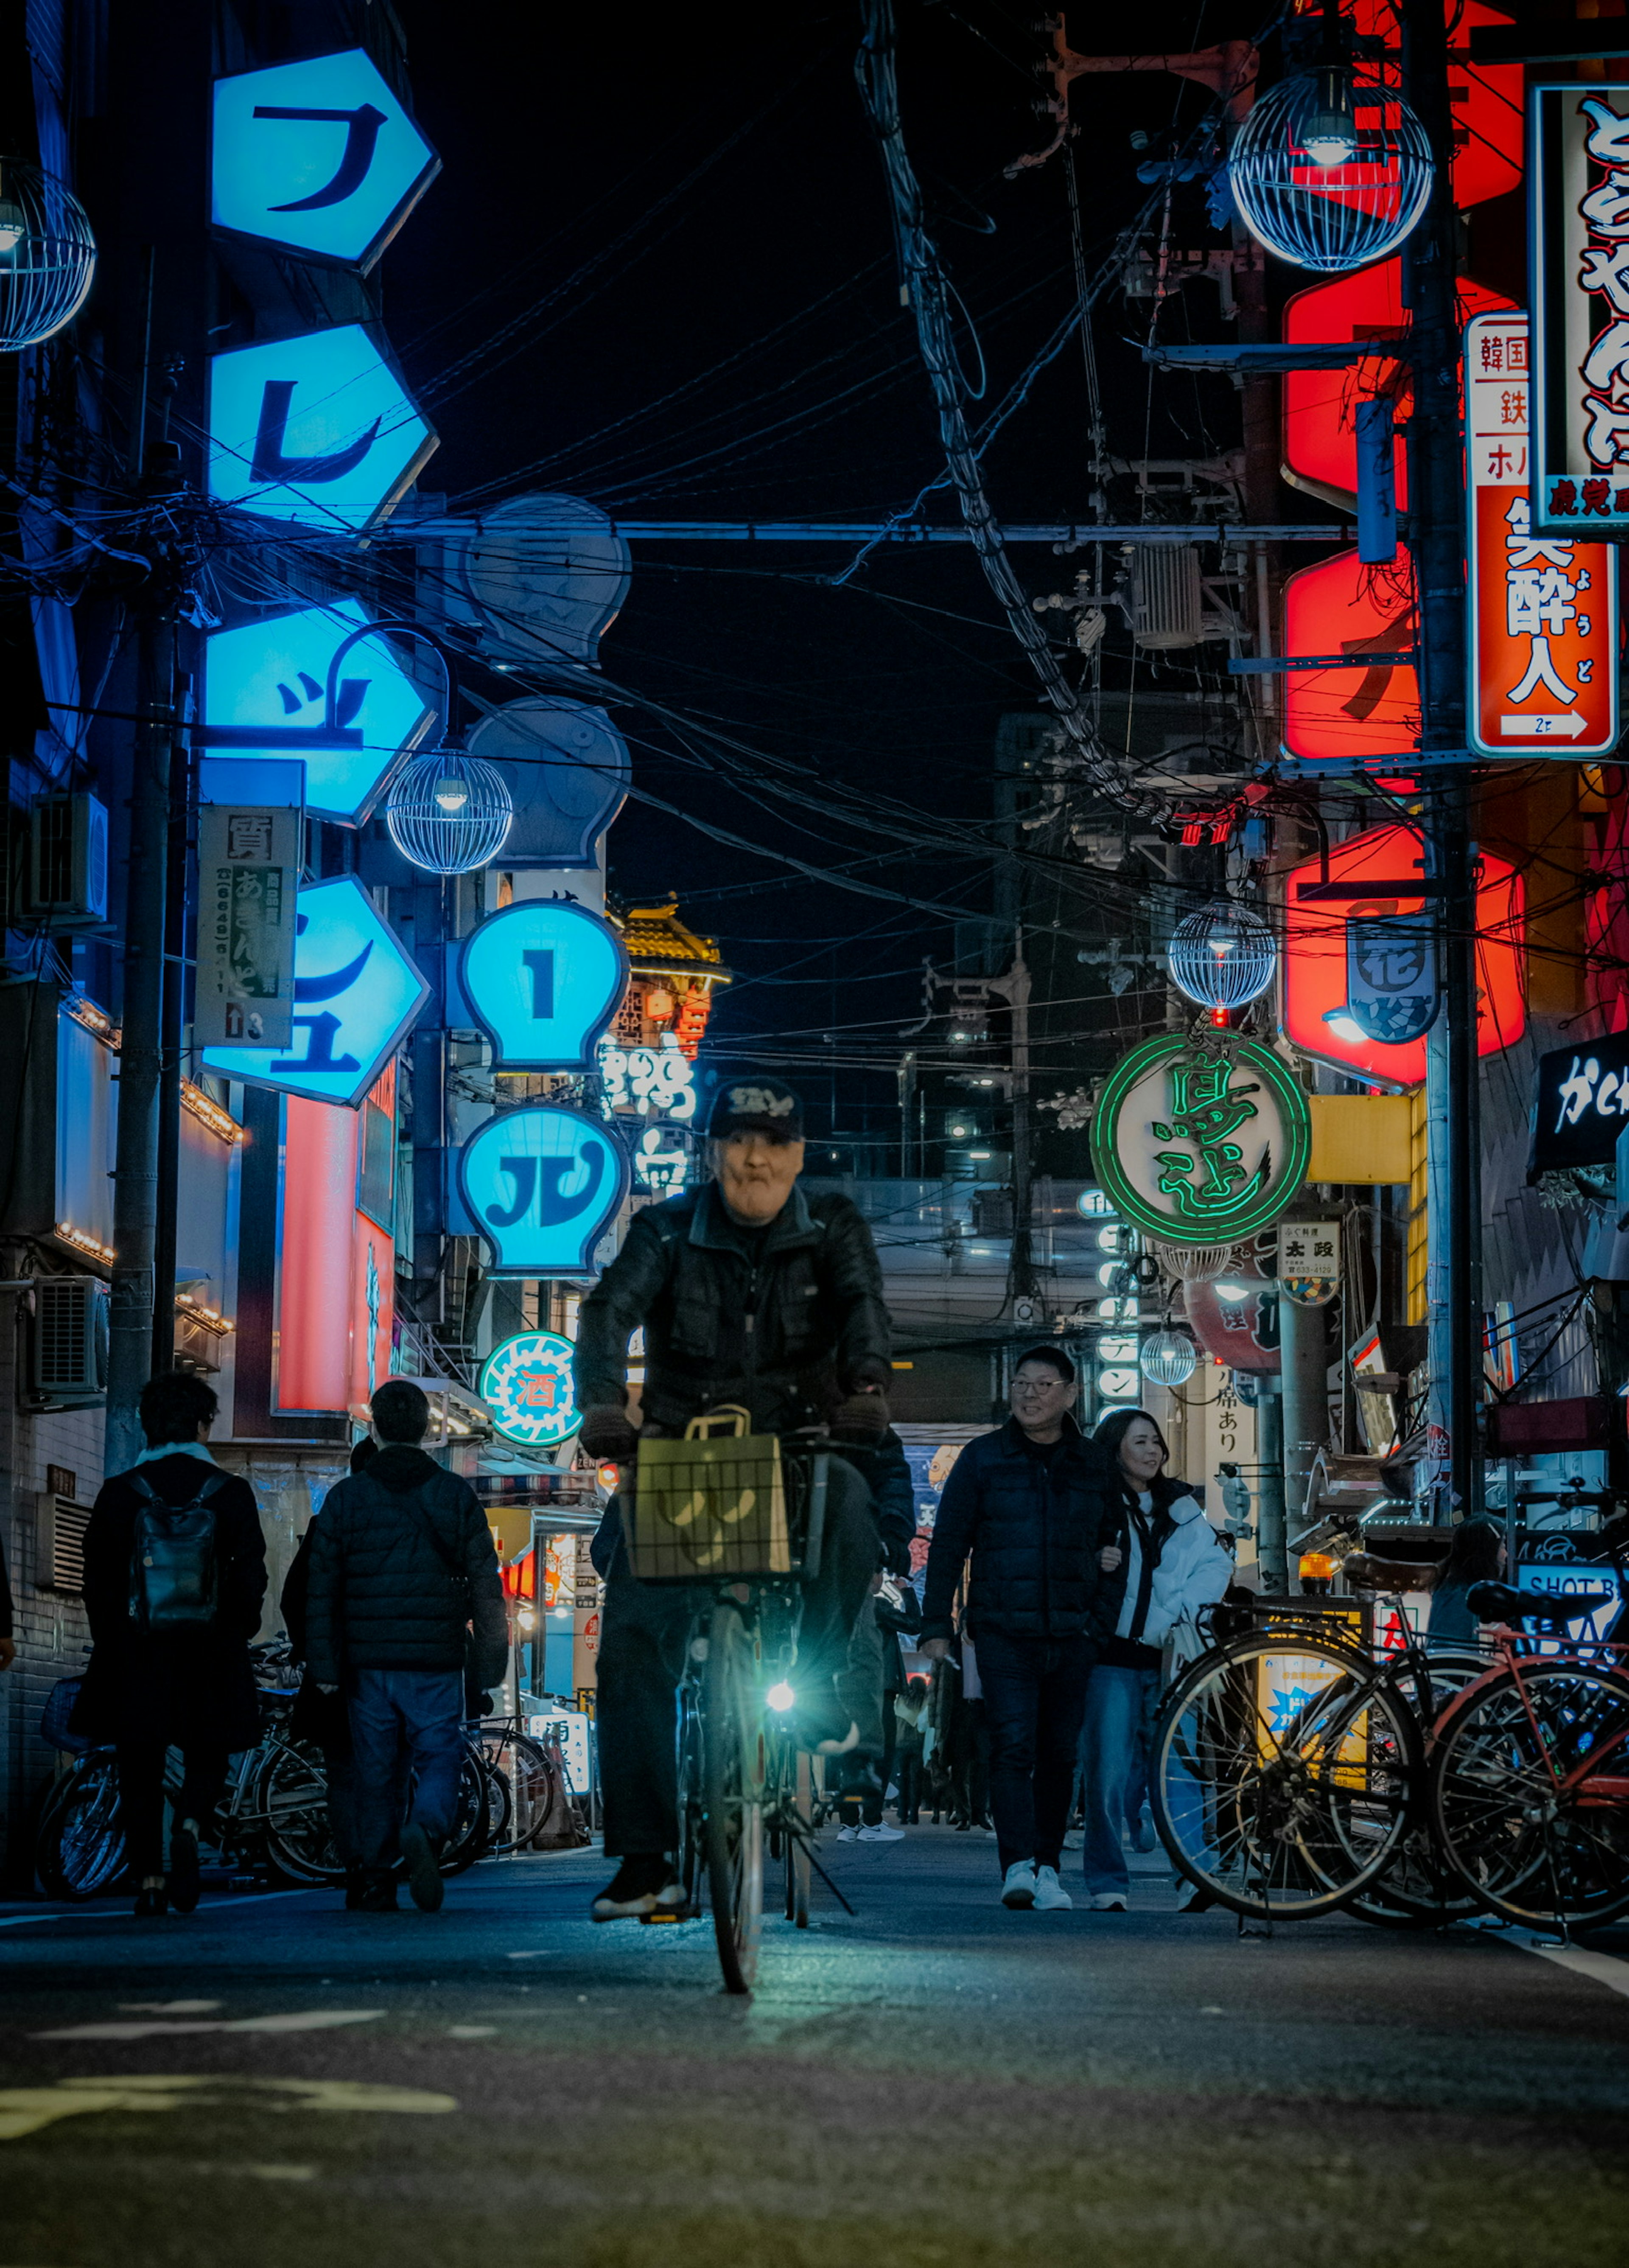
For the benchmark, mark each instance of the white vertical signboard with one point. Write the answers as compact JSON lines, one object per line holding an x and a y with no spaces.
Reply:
{"x":248,"y":875}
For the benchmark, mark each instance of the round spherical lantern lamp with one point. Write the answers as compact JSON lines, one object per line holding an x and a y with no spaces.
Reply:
{"x":1168,"y":1358}
{"x":1196,"y":1263}
{"x":1329,"y":171}
{"x":48,"y":255}
{"x":448,"y":813}
{"x":1223,"y":957}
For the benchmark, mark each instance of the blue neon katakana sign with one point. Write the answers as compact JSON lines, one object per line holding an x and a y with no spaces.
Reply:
{"x":527,"y":1385}
{"x":264,"y":695}
{"x":542,"y":1185}
{"x":357,"y":995}
{"x":318,"y":158}
{"x":317,"y":429}
{"x":543,"y":978}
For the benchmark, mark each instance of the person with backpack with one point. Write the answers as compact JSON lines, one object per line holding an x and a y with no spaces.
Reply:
{"x":174,"y":1578}
{"x":403,"y":1595}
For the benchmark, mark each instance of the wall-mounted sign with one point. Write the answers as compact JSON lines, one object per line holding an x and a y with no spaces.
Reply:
{"x":355,"y":996}
{"x":265,"y":696}
{"x":567,"y":769}
{"x":1579,"y":146}
{"x":540,"y":1185}
{"x":543,"y":978}
{"x":248,"y":875}
{"x":665,"y":1159}
{"x":336,"y":1267}
{"x":658,"y":1082}
{"x":1320,"y":1014}
{"x":526,"y":1384}
{"x":1200,"y":1142}
{"x":1581,"y":1105}
{"x":1542,"y":610}
{"x":317,"y":429}
{"x":317,"y":158}
{"x":1369,"y":707}
{"x":1309,"y":1261}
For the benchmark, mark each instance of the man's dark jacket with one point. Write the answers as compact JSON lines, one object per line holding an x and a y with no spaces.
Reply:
{"x":381,"y":1595}
{"x":786,"y":1336}
{"x":193,"y":1688}
{"x":1034,"y":1531}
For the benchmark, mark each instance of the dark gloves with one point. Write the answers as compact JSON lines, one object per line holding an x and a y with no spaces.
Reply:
{"x":606,"y":1434}
{"x":896,"y":1554}
{"x":862,"y":1418}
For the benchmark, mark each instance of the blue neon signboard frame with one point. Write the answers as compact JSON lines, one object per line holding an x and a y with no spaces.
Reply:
{"x":543,"y":977}
{"x":273,"y":674}
{"x":317,"y":429}
{"x":526,"y":1384}
{"x":542,"y":1185}
{"x":357,"y":995}
{"x":319,"y":158}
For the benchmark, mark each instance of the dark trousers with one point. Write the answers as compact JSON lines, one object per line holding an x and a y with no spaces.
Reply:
{"x":141,"y":1798}
{"x":402,"y":1722}
{"x":908,"y":1772}
{"x":642,"y":1653}
{"x":339,"y":1767}
{"x":1034,"y":1699}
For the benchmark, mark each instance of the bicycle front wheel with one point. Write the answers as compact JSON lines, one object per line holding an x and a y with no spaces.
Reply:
{"x":1283,"y":1774}
{"x":524,"y":1767}
{"x":1535,"y":1834}
{"x":79,"y":1842}
{"x":292,"y":1798}
{"x":734,"y":1765}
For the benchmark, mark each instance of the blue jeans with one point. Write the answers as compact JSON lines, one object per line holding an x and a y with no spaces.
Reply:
{"x":1034,"y":1690}
{"x":1113,"y":1759}
{"x":404,"y":1721}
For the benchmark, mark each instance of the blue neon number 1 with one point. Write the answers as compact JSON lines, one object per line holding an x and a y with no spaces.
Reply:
{"x":542,"y":965}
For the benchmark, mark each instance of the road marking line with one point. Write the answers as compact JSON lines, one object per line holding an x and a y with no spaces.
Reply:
{"x":302,"y":2020}
{"x":470,"y":2031}
{"x":214,"y":1906}
{"x":1603,"y":1968}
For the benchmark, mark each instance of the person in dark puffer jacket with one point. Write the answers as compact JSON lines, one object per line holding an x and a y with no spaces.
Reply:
{"x":402,"y":1562}
{"x":1034,"y":1506}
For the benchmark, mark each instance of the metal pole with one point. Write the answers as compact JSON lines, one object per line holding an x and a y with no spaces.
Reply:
{"x":1271,"y":1556}
{"x":1305,"y":1406}
{"x":170,"y":1069}
{"x":1437,"y":514}
{"x":1016,"y":985}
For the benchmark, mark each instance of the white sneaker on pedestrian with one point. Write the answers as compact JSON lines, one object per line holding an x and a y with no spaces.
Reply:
{"x":1109,"y":1902}
{"x":1050,"y":1895}
{"x":882,"y":1833}
{"x":848,"y":1834}
{"x":1018,"y":1888}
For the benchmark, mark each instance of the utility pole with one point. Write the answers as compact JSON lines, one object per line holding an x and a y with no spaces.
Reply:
{"x":1437,"y":518}
{"x":1013,"y":987}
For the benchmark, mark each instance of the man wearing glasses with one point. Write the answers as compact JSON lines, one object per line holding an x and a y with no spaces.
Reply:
{"x":1033,"y":1508}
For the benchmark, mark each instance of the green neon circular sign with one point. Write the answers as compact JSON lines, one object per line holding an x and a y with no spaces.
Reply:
{"x":1200,"y":1145}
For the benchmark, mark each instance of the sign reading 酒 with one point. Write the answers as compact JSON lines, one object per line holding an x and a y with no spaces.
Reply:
{"x":1200,"y":1142}
{"x":1578,"y":168}
{"x":1542,"y":648}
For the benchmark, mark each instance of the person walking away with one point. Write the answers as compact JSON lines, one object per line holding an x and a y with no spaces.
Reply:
{"x":1475,"y":1555}
{"x":898,"y":1615}
{"x":322,"y":1718}
{"x":1174,"y":1567}
{"x":910,"y":1711}
{"x":1030,"y":1505}
{"x":174,"y":1581}
{"x":403,"y":1588}
{"x":750,"y":1291}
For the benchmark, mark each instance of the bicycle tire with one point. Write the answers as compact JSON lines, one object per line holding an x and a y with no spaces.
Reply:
{"x":527,"y":1772}
{"x":1283,"y":1812}
{"x":1532,"y":1852}
{"x":1416,"y":1891}
{"x":691,"y":1782}
{"x":80,"y":1849}
{"x":800,"y":1864}
{"x":291,"y":1796}
{"x":733,"y":1741}
{"x":480,"y":1813}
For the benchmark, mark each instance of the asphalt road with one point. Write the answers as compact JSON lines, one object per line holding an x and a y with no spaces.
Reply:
{"x":934,"y":2083}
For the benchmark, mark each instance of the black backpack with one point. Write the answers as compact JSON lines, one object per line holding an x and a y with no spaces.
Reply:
{"x":175,"y":1575}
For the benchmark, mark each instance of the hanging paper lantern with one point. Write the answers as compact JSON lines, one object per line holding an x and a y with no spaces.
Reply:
{"x":1223,"y":957}
{"x":1168,"y":1358}
{"x":448,"y":813}
{"x":48,"y":255}
{"x":1329,"y":173}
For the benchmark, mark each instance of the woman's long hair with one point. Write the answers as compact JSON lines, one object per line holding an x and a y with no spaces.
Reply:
{"x":1473,"y":1555}
{"x":1111,"y":1431}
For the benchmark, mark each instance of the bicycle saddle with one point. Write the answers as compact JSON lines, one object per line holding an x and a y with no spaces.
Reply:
{"x":1501,"y":1602}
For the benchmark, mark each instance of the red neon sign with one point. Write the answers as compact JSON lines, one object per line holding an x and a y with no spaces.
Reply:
{"x":1316,"y":977}
{"x":1370,"y":707}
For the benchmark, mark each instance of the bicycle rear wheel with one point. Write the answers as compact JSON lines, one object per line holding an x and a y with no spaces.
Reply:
{"x":292,"y":1798}
{"x":527,"y":1774}
{"x":1416,"y":1891}
{"x":1528,"y":1848}
{"x":1282,"y":1775}
{"x":734,"y":1764}
{"x":79,"y":1840}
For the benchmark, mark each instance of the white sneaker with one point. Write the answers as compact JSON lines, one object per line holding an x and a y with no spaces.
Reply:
{"x":882,"y":1833}
{"x":1109,"y":1902}
{"x":1018,"y":1888}
{"x":1050,"y":1895}
{"x":848,"y":1834}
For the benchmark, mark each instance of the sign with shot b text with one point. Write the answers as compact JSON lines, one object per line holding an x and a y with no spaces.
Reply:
{"x":1579,"y":172}
{"x":248,"y":872}
{"x":1543,"y":645}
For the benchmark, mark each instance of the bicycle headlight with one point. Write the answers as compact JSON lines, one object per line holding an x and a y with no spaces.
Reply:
{"x":781,"y":1696}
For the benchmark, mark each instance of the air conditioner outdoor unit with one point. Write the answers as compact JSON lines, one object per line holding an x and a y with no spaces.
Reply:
{"x":71,"y":1339}
{"x":68,"y":861}
{"x":59,"y":1531}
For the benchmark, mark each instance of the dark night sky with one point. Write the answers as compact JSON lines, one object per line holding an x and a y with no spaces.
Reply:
{"x":658,"y":270}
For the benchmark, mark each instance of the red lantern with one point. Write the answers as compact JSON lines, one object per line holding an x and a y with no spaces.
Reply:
{"x":1371,"y":707}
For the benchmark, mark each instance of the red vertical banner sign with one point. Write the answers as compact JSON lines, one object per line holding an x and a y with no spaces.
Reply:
{"x":1542,"y":653}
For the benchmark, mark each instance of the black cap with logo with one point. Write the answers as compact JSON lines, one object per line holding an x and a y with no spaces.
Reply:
{"x":757,"y":1105}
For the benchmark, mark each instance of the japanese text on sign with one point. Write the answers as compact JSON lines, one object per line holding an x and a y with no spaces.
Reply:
{"x":1580,"y":177}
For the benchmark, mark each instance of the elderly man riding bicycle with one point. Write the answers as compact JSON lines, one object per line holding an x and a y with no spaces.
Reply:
{"x":749,"y":1293}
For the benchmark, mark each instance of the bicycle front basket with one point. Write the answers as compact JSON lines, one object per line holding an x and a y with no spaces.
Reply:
{"x":710,"y":1506}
